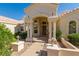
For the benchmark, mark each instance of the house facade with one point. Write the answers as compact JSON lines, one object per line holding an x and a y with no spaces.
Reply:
{"x":9,"y":23}
{"x":42,"y":20}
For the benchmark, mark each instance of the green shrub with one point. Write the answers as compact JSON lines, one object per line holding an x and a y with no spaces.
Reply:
{"x":6,"y":38}
{"x":58,"y":34}
{"x":74,"y":39}
{"x":16,"y":34}
{"x":23,"y":35}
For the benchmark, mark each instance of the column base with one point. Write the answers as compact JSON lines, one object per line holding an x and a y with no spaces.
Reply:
{"x":50,"y":41}
{"x":54,"y":40}
{"x":29,"y":39}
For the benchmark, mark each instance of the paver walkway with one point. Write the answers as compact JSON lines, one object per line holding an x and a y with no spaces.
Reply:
{"x":33,"y":49}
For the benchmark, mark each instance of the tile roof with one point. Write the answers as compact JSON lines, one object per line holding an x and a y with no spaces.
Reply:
{"x":4,"y":19}
{"x":70,"y":11}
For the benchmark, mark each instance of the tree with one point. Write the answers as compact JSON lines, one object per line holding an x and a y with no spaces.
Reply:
{"x":6,"y":38}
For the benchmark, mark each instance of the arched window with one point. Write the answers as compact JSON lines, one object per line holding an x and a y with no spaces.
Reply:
{"x":72,"y":27}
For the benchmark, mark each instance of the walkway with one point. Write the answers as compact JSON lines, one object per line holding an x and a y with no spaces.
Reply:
{"x":33,"y":49}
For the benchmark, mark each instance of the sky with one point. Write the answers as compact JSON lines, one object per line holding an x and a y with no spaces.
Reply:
{"x":16,"y":10}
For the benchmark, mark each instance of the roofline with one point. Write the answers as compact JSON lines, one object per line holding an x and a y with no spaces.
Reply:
{"x":17,"y":22}
{"x":67,"y":12}
{"x":37,"y":3}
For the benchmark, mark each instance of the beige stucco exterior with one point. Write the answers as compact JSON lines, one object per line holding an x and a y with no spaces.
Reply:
{"x":11,"y":27}
{"x":66,"y":18}
{"x":9,"y":23}
{"x":40,"y":9}
{"x":40,"y":12}
{"x":49,"y":11}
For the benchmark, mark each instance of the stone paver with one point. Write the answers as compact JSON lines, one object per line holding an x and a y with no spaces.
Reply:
{"x":35,"y":47}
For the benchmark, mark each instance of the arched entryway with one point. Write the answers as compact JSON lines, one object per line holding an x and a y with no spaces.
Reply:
{"x":40,"y":26}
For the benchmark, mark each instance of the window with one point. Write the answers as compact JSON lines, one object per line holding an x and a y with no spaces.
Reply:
{"x":43,"y":22}
{"x":72,"y":27}
{"x":35,"y":26}
{"x":21,"y":28}
{"x":35,"y":21}
{"x":35,"y":31}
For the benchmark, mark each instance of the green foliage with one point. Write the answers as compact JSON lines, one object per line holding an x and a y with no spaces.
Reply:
{"x":6,"y":38}
{"x":16,"y":34}
{"x":58,"y":34}
{"x":74,"y":39}
{"x":23,"y":35}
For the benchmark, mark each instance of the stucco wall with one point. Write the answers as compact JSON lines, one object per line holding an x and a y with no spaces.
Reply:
{"x":41,"y":9}
{"x":11,"y":27}
{"x":62,"y":52}
{"x":66,"y":18}
{"x":68,"y":52}
{"x":67,"y":44}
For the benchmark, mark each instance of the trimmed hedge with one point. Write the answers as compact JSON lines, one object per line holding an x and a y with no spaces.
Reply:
{"x":74,"y":39}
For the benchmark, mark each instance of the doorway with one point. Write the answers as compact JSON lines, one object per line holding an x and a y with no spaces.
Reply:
{"x":40,"y":26}
{"x":43,"y":30}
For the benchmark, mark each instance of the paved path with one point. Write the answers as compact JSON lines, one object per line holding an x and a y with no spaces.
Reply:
{"x":35,"y":47}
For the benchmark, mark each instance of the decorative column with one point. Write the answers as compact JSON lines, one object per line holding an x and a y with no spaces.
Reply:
{"x":54,"y":32}
{"x":50,"y":30}
{"x":31,"y":38}
{"x":52,"y":19}
{"x":28,"y":32}
{"x":26,"y":27}
{"x":54,"y":29}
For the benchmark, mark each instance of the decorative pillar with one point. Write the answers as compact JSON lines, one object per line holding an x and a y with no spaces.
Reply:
{"x":54,"y":33}
{"x":50,"y":30}
{"x":31,"y":38}
{"x":28,"y":32}
{"x":54,"y":29}
{"x":52,"y":19}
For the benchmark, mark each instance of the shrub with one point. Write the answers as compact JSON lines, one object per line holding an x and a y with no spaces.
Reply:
{"x":23,"y":35}
{"x":58,"y":34}
{"x":6,"y":38}
{"x":74,"y":39}
{"x":16,"y":34}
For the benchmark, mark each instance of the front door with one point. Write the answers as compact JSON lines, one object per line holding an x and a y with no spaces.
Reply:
{"x":44,"y":30}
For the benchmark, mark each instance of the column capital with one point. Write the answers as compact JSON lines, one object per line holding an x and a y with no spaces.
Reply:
{"x":31,"y":21}
{"x":52,"y":18}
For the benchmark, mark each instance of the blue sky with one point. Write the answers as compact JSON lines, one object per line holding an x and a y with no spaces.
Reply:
{"x":16,"y":10}
{"x":67,"y":6}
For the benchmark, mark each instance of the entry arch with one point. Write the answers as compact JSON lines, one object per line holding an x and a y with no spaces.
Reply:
{"x":40,"y":26}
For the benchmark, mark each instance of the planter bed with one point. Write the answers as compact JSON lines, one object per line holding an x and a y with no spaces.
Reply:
{"x":68,"y":44}
{"x":17,"y":46}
